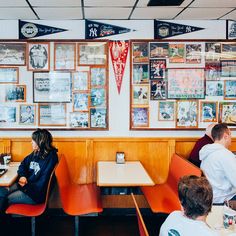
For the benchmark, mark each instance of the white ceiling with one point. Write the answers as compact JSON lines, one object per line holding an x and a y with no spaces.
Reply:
{"x":115,"y":9}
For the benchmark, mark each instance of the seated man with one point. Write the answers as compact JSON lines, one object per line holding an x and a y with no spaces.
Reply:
{"x":219,"y":164}
{"x":206,"y":139}
{"x":195,"y":195}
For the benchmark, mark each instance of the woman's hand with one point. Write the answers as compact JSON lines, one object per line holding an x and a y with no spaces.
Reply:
{"x":22,"y":181}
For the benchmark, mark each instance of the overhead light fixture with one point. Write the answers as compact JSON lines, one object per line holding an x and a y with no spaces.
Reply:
{"x":153,"y":3}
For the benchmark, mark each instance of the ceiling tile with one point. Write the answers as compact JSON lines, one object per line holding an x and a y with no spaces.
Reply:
{"x":107,"y":13}
{"x":55,"y":3}
{"x":23,"y":13}
{"x":109,"y":3}
{"x":202,"y":13}
{"x":155,"y":13}
{"x":59,"y":13}
{"x":230,"y":16}
{"x":143,"y":3}
{"x":213,"y":3}
{"x":14,"y":3}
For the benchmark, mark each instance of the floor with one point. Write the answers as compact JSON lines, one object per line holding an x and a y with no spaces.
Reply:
{"x":61,"y":225}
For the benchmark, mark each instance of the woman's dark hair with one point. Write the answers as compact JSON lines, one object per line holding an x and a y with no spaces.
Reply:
{"x":218,"y":131}
{"x":43,"y":139}
{"x":195,"y":195}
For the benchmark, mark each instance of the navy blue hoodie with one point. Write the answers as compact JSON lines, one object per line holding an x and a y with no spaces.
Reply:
{"x":37,"y":170}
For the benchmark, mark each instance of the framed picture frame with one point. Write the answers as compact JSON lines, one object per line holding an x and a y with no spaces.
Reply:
{"x":15,"y":93}
{"x":27,"y":114}
{"x":140,"y":117}
{"x":158,"y":89}
{"x":8,"y":115}
{"x":79,"y":120}
{"x":166,"y":111}
{"x":212,"y":51}
{"x":52,"y":114}
{"x":214,"y":88}
{"x":228,"y":68}
{"x":80,"y":101}
{"x":157,"y":69}
{"x":230,"y":89}
{"x":38,"y":54}
{"x":92,"y":53}
{"x":186,"y":83}
{"x":228,"y":113}
{"x":140,"y":52}
{"x":80,"y":81}
{"x":98,"y":97}
{"x":64,"y":56}
{"x":187,"y":114}
{"x":176,"y":53}
{"x":228,"y":51}
{"x":193,"y":53}
{"x":212,"y":70}
{"x":140,"y":74}
{"x":98,"y":118}
{"x":12,"y":54}
{"x":140,"y":94}
{"x":159,"y":50}
{"x":208,"y":111}
{"x":98,"y":76}
{"x":52,"y":87}
{"x":9,"y":75}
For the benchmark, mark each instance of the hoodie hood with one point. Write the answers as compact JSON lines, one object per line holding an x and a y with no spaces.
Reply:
{"x":210,"y":149}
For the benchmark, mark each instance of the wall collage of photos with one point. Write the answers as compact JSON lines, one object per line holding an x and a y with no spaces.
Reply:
{"x":182,"y":84}
{"x":59,"y":85}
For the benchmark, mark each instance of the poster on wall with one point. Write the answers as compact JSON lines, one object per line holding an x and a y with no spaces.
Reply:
{"x":231,"y":29}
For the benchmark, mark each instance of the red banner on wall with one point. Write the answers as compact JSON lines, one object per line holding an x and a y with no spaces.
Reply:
{"x":119,"y":52}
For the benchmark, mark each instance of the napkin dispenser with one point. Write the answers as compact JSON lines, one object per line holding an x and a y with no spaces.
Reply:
{"x":120,"y":157}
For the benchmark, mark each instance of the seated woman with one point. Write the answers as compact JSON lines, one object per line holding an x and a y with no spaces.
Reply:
{"x":195,"y":195}
{"x":35,"y":170}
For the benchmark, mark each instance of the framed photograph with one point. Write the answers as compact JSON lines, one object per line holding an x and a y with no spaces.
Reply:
{"x":209,"y":111}
{"x":64,"y":56}
{"x":80,"y":80}
{"x":98,"y":118}
{"x":186,"y":83}
{"x":9,"y":75}
{"x":98,"y":76}
{"x":166,"y":111}
{"x":159,"y":50}
{"x":7,"y":114}
{"x":214,"y":88}
{"x":140,"y":73}
{"x":187,"y":114}
{"x":15,"y":93}
{"x":212,"y":70}
{"x":93,"y":53}
{"x":157,"y":68}
{"x":38,"y":55}
{"x":80,"y":101}
{"x":158,"y":89}
{"x":193,"y":53}
{"x":228,"y":113}
{"x":140,"y":52}
{"x":140,"y":117}
{"x":98,"y":97}
{"x":52,"y":87}
{"x":140,"y":94}
{"x":212,"y":51}
{"x":230,"y":89}
{"x":27,"y":114}
{"x":228,"y":51}
{"x":79,"y":120}
{"x":228,"y":68}
{"x":12,"y":54}
{"x":176,"y":53}
{"x":53,"y":114}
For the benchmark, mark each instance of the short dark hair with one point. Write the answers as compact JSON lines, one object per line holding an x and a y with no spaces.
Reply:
{"x":195,"y":195}
{"x":218,"y":131}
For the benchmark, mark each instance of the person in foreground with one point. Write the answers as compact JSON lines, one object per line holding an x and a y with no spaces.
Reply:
{"x":35,"y":170}
{"x":195,"y":195}
{"x":219,"y":164}
{"x":206,"y":139}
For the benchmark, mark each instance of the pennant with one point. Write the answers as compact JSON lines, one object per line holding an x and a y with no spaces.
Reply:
{"x":231,"y":29}
{"x":119,"y":51}
{"x":28,"y":30}
{"x":163,"y":29}
{"x":94,"y":29}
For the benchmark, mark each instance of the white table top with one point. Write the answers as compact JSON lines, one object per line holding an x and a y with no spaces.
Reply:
{"x":215,"y":221}
{"x":10,"y":176}
{"x":131,"y":173}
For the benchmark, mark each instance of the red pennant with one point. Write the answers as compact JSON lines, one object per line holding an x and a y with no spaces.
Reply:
{"x":119,"y":51}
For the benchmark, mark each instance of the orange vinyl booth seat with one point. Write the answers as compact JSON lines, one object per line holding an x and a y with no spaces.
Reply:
{"x":31,"y":210}
{"x":76,"y":199}
{"x":163,"y":198}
